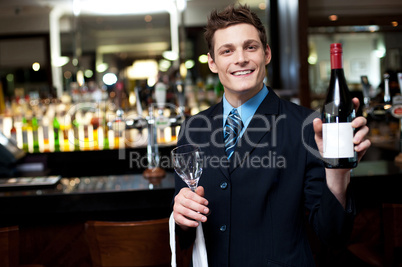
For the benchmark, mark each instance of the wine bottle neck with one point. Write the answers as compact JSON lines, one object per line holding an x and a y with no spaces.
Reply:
{"x":336,"y":61}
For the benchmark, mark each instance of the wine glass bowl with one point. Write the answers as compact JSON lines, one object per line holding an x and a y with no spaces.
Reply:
{"x":187,"y":163}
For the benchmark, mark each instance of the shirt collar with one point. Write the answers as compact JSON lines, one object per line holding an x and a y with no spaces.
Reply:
{"x":246,"y":110}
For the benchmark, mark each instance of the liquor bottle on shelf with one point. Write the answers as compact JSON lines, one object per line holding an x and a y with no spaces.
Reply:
{"x":109,"y":133}
{"x":35,"y":134}
{"x":84,"y":132}
{"x":65,"y":127}
{"x":45,"y":134}
{"x":79,"y":130}
{"x":337,"y":115}
{"x":56,"y":134}
{"x":2,"y":100}
{"x":75,"y":126}
{"x":366,"y":90}
{"x":119,"y":127}
{"x":190,"y":93}
{"x":95,"y":132}
{"x":13,"y":131}
{"x":88,"y":136}
{"x":24,"y":129}
{"x":105,"y":130}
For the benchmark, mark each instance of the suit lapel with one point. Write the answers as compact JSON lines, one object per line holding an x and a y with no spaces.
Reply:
{"x":261,"y":125}
{"x":216,"y":146}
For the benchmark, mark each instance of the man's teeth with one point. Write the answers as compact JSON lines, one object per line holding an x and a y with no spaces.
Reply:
{"x":242,"y":72}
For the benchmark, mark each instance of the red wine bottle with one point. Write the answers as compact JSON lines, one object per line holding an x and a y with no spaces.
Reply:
{"x":337,"y":115}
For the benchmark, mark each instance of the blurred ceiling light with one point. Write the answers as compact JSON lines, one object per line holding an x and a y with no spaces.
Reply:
{"x":120,"y":7}
{"x":380,"y":53}
{"x":36,"y":66}
{"x":67,"y":74}
{"x":394,"y":23}
{"x":109,"y":78}
{"x":262,"y":6}
{"x":203,"y":59}
{"x":132,"y":99}
{"x":189,"y":64}
{"x":60,"y":61}
{"x":10,"y":77}
{"x":151,"y":81}
{"x":88,"y":73}
{"x":183,"y":70}
{"x":333,"y":17}
{"x":170,"y":55}
{"x":143,"y":69}
{"x":164,"y":65}
{"x":373,"y":28}
{"x":102,"y":67}
{"x":181,"y":5}
{"x":312,"y":59}
{"x":148,"y":18}
{"x":76,"y":7}
{"x":80,"y":78}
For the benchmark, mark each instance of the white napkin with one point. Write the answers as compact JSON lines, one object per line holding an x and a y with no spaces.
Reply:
{"x":200,"y":258}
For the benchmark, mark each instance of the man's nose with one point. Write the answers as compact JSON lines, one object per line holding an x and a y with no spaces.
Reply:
{"x":241,"y":57}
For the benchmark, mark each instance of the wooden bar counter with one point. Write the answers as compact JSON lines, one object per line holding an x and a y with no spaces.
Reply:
{"x":51,"y":218}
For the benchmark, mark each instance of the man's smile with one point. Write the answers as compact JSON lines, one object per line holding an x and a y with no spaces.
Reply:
{"x":242,"y":72}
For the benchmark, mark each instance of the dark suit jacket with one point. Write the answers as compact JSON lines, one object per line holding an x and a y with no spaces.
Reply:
{"x":258,"y":200}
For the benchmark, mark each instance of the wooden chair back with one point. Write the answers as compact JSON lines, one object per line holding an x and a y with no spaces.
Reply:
{"x":392,"y":221}
{"x":143,"y":243}
{"x":9,"y":251}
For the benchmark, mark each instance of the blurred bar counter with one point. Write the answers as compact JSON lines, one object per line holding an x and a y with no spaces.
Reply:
{"x":128,"y":196}
{"x":104,"y":186}
{"x":112,"y":197}
{"x":377,"y":182}
{"x":133,"y":197}
{"x":91,"y":185}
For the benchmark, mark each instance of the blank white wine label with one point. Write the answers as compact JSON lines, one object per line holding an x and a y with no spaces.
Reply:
{"x":338,"y":140}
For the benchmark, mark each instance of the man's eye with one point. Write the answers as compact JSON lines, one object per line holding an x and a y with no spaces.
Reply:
{"x":251,"y":47}
{"x":226,"y":51}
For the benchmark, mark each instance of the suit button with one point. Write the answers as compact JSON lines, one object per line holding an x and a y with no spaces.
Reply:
{"x":224,"y":185}
{"x":223,"y":228}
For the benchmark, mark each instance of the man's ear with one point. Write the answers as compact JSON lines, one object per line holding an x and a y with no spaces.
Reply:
{"x":267,"y":55}
{"x":211,"y":64}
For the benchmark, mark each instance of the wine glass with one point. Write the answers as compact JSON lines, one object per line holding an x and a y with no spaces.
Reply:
{"x":188,"y":164}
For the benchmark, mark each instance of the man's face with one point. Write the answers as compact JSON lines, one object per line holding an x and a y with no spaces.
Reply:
{"x":240,"y":61}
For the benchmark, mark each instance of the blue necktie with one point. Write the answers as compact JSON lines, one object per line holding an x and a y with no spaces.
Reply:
{"x":233,"y":127}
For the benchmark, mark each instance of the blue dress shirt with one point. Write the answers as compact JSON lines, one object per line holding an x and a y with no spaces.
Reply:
{"x":246,"y":110}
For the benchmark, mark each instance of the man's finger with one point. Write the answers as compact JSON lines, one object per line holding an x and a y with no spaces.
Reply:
{"x":356,"y":103}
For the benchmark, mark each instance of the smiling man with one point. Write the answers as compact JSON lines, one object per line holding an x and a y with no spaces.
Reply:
{"x":253,"y":212}
{"x":239,"y":58}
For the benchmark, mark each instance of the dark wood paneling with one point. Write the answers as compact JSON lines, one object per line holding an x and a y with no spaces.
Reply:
{"x":62,"y":245}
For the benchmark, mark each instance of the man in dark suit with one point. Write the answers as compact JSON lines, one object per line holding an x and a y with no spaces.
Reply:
{"x":252,"y":200}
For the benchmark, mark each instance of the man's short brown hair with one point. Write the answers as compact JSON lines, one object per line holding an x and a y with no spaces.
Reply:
{"x":233,"y":14}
